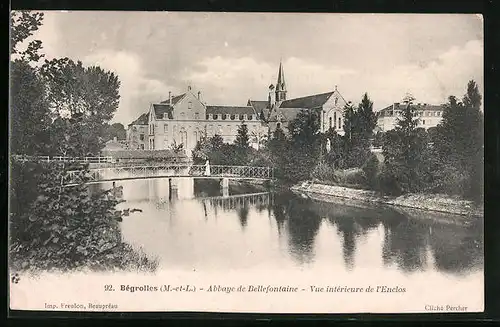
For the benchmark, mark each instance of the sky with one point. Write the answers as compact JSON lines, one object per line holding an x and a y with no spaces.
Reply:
{"x":233,"y":57}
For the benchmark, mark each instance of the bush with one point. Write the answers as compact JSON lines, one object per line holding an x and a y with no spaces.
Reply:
{"x":63,"y":228}
{"x":324,"y":172}
{"x":371,"y":169}
{"x":388,"y":183}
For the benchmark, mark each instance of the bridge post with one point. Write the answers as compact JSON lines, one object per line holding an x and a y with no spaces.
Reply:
{"x":225,"y":186}
{"x":173,"y":183}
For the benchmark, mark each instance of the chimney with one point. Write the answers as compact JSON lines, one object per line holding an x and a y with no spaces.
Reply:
{"x":199,"y":95}
{"x":169,"y":97}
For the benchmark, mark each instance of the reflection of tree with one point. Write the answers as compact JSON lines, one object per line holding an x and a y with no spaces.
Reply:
{"x":350,"y":230}
{"x":243,"y":215}
{"x":278,"y":209}
{"x":405,"y":243}
{"x":303,"y":225}
{"x":457,"y":250}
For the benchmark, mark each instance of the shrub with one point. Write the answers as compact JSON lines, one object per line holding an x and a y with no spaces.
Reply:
{"x":324,"y":172}
{"x":388,"y":183}
{"x":371,"y":169}
{"x":63,"y":228}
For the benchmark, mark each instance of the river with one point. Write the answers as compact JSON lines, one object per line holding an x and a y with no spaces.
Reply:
{"x":196,"y":228}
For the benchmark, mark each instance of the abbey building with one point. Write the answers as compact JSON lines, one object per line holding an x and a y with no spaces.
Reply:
{"x":185,"y":119}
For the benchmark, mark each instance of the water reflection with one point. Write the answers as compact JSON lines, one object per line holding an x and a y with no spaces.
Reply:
{"x":194,"y":224}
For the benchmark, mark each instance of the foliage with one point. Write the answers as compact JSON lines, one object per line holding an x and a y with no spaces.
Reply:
{"x":57,"y":227}
{"x":406,"y":154}
{"x":29,"y":113}
{"x":378,"y":140}
{"x":458,"y":145}
{"x":358,"y":126}
{"x":89,"y":94}
{"x":23,"y":24}
{"x":115,"y":130}
{"x":371,"y":170}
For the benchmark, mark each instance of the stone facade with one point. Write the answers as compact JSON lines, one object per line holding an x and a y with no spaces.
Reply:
{"x":137,"y":133}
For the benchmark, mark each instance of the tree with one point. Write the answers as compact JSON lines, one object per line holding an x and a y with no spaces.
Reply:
{"x":405,"y":153}
{"x":88,"y":95}
{"x":24,"y":24}
{"x":115,"y":130}
{"x":242,"y":139}
{"x":29,"y":112}
{"x":358,"y":126}
{"x":458,"y":145}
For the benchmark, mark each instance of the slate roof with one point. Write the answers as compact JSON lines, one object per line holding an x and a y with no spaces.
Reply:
{"x":175,"y":99}
{"x":161,"y":109}
{"x":142,"y":120}
{"x":230,"y":110}
{"x":309,"y":102}
{"x":258,"y":105}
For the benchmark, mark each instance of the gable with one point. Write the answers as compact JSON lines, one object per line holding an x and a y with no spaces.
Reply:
{"x":308,"y":102}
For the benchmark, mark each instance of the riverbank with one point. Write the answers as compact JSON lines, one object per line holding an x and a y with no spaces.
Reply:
{"x":430,"y":202}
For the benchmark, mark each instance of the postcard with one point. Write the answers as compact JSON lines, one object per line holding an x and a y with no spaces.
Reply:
{"x":246,"y":162}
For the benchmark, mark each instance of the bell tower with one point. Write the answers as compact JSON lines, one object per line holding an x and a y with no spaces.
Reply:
{"x":280,"y":86}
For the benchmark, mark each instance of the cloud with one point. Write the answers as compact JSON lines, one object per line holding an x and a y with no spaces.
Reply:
{"x":235,"y":80}
{"x":137,"y":90}
{"x":433,"y":82}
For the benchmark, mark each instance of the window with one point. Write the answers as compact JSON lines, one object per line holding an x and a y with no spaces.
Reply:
{"x":165,"y":115}
{"x":244,"y":117}
{"x":165,"y":128}
{"x":423,"y":122}
{"x":224,"y":116}
{"x":336,"y":101}
{"x":215,"y":116}
{"x":250,"y":117}
{"x":233,"y":117}
{"x":241,"y":117}
{"x":141,"y":137}
{"x":330,"y":121}
{"x":439,"y":113}
{"x":142,"y":146}
{"x":207,"y":117}
{"x":278,"y":125}
{"x":334,"y":119}
{"x":190,"y":105}
{"x":196,"y":116}
{"x":340,"y":125}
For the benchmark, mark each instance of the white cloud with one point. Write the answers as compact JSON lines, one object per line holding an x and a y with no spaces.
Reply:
{"x":137,"y":91}
{"x":235,"y":80}
{"x":447,"y":75}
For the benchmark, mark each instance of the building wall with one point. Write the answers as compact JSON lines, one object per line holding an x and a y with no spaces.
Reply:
{"x":333,"y":114}
{"x":426,"y":118}
{"x":134,"y":140}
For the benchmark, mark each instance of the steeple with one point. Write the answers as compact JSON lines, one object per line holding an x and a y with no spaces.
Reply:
{"x":280,"y":85}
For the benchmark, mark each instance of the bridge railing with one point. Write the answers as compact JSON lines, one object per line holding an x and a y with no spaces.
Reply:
{"x":96,"y":174}
{"x":107,"y":159}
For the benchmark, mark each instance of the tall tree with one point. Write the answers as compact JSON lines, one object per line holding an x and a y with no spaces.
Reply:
{"x":29,"y":113}
{"x":406,"y":152}
{"x":88,"y":95}
{"x":242,"y":139}
{"x":459,"y":145}
{"x":115,"y":130}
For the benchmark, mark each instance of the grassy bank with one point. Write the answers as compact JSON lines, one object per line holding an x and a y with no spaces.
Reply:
{"x":431,"y":202}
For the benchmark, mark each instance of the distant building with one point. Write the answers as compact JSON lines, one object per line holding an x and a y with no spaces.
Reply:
{"x":114,"y":145}
{"x":278,"y":111}
{"x":428,"y":115}
{"x":137,"y":133}
{"x":185,"y":119}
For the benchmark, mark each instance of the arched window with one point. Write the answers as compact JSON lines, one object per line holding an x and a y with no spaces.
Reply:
{"x":241,"y":117}
{"x":232,"y":117}
{"x":278,"y":125}
{"x":250,"y":117}
{"x":183,"y":135}
{"x":334,"y":118}
{"x":224,"y":116}
{"x":215,"y":116}
{"x":330,"y":121}
{"x":340,"y":125}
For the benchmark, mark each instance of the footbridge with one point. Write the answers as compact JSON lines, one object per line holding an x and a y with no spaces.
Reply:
{"x":144,"y":171}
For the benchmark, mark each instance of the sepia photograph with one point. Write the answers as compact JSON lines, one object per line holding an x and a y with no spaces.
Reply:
{"x":246,"y":162}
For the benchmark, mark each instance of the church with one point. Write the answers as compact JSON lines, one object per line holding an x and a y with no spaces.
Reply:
{"x":278,"y":111}
{"x":185,"y":118}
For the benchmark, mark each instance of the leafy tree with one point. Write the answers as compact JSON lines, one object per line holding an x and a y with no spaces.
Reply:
{"x":458,"y":145}
{"x":23,"y":24}
{"x":115,"y":130}
{"x":86,"y":94}
{"x":29,"y":112}
{"x":358,"y":126}
{"x":406,"y":152}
